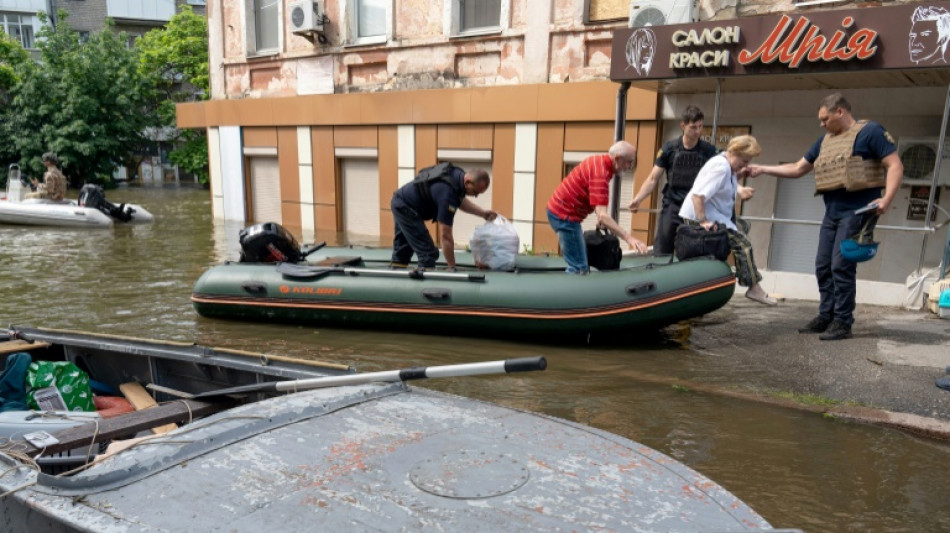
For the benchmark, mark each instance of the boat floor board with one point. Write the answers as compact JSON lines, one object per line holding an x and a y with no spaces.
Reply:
{"x":8,"y":347}
{"x":124,"y":425}
{"x":141,"y":399}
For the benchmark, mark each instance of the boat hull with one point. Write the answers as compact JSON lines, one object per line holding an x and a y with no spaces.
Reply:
{"x":69,"y":214}
{"x":537,"y":299}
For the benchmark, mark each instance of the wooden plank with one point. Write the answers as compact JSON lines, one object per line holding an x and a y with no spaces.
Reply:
{"x":141,"y":399}
{"x":8,"y":347}
{"x":124,"y":425}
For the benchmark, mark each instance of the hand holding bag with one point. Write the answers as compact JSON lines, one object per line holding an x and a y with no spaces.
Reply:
{"x":495,"y":244}
{"x":695,"y":241}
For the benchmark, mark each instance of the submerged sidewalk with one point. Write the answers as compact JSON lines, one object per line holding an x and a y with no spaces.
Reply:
{"x":883,"y":375}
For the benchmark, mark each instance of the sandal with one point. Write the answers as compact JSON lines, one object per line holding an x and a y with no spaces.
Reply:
{"x":763,"y":299}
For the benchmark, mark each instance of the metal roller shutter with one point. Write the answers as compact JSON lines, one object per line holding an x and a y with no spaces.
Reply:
{"x":793,"y":246}
{"x":265,"y":188}
{"x":361,"y":200}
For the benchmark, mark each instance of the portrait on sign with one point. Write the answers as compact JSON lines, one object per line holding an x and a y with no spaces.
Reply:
{"x":641,"y":50}
{"x":929,"y":35}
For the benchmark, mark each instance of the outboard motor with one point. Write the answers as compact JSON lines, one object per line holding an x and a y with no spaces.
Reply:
{"x":94,"y":197}
{"x":268,"y":242}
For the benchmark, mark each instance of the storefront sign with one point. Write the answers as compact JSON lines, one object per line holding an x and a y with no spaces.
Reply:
{"x":724,"y":134}
{"x":905,"y":36}
{"x":919,"y":198}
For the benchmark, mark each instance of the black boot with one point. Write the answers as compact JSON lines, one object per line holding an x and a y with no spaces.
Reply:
{"x":836,"y":331}
{"x":817,"y":325}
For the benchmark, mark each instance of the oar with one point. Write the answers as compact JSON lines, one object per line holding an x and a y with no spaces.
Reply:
{"x":293,"y":270}
{"x":523,"y":364}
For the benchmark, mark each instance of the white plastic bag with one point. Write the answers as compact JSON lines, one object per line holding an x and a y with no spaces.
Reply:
{"x":495,"y":244}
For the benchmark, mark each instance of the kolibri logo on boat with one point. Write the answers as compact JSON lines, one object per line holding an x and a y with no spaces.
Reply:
{"x":286,"y":289}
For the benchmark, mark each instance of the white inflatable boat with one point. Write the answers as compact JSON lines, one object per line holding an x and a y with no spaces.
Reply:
{"x":95,"y":211}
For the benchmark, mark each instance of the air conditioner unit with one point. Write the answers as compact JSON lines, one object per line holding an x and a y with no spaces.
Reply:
{"x":307,"y":16}
{"x":919,"y":155}
{"x":661,"y":12}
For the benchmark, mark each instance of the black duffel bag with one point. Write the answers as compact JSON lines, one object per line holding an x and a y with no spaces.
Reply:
{"x":696,"y":241}
{"x":603,"y":249}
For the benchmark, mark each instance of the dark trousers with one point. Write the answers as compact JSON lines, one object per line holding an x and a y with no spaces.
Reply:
{"x":666,"y":225}
{"x":837,"y":277}
{"x":411,"y":236}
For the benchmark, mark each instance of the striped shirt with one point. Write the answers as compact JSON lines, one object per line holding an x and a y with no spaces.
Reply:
{"x":583,"y":189}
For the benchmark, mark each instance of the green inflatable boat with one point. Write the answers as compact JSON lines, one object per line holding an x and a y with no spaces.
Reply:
{"x":354,"y":287}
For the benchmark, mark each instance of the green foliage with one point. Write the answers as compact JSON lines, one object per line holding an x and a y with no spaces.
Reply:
{"x":85,"y":101}
{"x":175,"y":58}
{"x":12,"y":58}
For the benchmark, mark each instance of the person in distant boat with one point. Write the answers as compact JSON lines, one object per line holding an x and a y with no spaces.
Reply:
{"x":712,"y":200}
{"x":54,"y":182}
{"x":584,"y":191}
{"x":681,"y":159}
{"x":437,"y":193}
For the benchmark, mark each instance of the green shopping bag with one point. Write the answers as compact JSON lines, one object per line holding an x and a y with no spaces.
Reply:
{"x":57,"y":386}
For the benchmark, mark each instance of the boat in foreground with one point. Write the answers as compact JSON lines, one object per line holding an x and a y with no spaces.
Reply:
{"x":251,"y":455}
{"x":354,"y":287}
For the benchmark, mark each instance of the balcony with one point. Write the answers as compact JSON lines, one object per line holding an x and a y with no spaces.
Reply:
{"x":141,"y":10}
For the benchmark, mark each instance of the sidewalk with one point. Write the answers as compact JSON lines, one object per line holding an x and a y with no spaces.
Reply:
{"x":884,"y":375}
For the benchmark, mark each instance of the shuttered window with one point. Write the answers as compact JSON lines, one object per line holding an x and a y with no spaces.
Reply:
{"x":604,"y":10}
{"x":361,"y":200}
{"x":793,"y":246}
{"x":265,"y":188}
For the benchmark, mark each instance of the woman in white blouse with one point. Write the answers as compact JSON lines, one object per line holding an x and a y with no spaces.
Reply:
{"x":712,"y":200}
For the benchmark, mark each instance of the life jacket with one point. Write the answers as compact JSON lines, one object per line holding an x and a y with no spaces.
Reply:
{"x":684,"y":166}
{"x":838,"y":168}
{"x":441,"y":172}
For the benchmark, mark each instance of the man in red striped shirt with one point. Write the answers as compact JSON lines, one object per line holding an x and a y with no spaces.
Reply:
{"x":584,"y":191}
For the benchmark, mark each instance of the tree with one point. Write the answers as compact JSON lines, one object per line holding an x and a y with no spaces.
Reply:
{"x":85,"y":101}
{"x":12,"y":58}
{"x":176,"y":60}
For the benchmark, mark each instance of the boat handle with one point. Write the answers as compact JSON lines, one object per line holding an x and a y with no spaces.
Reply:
{"x":255,"y":288}
{"x":640,"y":288}
{"x":437,"y":294}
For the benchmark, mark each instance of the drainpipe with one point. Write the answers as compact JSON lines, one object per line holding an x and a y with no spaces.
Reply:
{"x":620,"y":126}
{"x":715,"y":124}
{"x":931,"y":206}
{"x":51,"y":11}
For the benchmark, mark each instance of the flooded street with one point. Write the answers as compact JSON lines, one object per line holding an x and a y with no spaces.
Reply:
{"x":796,"y":469}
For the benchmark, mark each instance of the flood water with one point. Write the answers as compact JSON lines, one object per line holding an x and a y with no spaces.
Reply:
{"x":796,"y":469}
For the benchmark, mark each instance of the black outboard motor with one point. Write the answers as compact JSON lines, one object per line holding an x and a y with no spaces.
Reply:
{"x":92,"y":196}
{"x":268,"y":242}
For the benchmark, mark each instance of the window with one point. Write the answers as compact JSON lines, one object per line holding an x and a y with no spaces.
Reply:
{"x":369,"y":21}
{"x":263,"y":26}
{"x":606,"y":10}
{"x":473,"y":17}
{"x":477,"y":14}
{"x":20,"y":27}
{"x":83,"y":37}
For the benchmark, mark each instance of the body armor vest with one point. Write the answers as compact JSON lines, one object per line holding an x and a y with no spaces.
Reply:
{"x":685,"y":165}
{"x":837,"y":167}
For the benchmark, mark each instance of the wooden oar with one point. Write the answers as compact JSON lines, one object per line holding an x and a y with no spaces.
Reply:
{"x":293,"y":270}
{"x":524,"y":364}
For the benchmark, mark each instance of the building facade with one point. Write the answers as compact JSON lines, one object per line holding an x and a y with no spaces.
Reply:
{"x":321,"y":109}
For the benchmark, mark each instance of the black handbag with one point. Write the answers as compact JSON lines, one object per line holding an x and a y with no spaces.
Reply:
{"x":696,"y":241}
{"x":603,"y":249}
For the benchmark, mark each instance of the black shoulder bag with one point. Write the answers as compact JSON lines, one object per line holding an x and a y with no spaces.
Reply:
{"x":695,"y":241}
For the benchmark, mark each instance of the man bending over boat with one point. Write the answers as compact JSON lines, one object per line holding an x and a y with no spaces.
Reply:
{"x":54,"y":182}
{"x":584,"y":191}
{"x":437,"y":193}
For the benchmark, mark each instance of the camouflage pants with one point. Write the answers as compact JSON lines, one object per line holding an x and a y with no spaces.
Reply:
{"x":746,"y":272}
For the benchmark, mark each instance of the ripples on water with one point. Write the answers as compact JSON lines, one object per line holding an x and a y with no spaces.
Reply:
{"x":796,"y":469}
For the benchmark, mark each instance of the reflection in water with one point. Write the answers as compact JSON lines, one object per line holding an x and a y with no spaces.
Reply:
{"x":796,"y":469}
